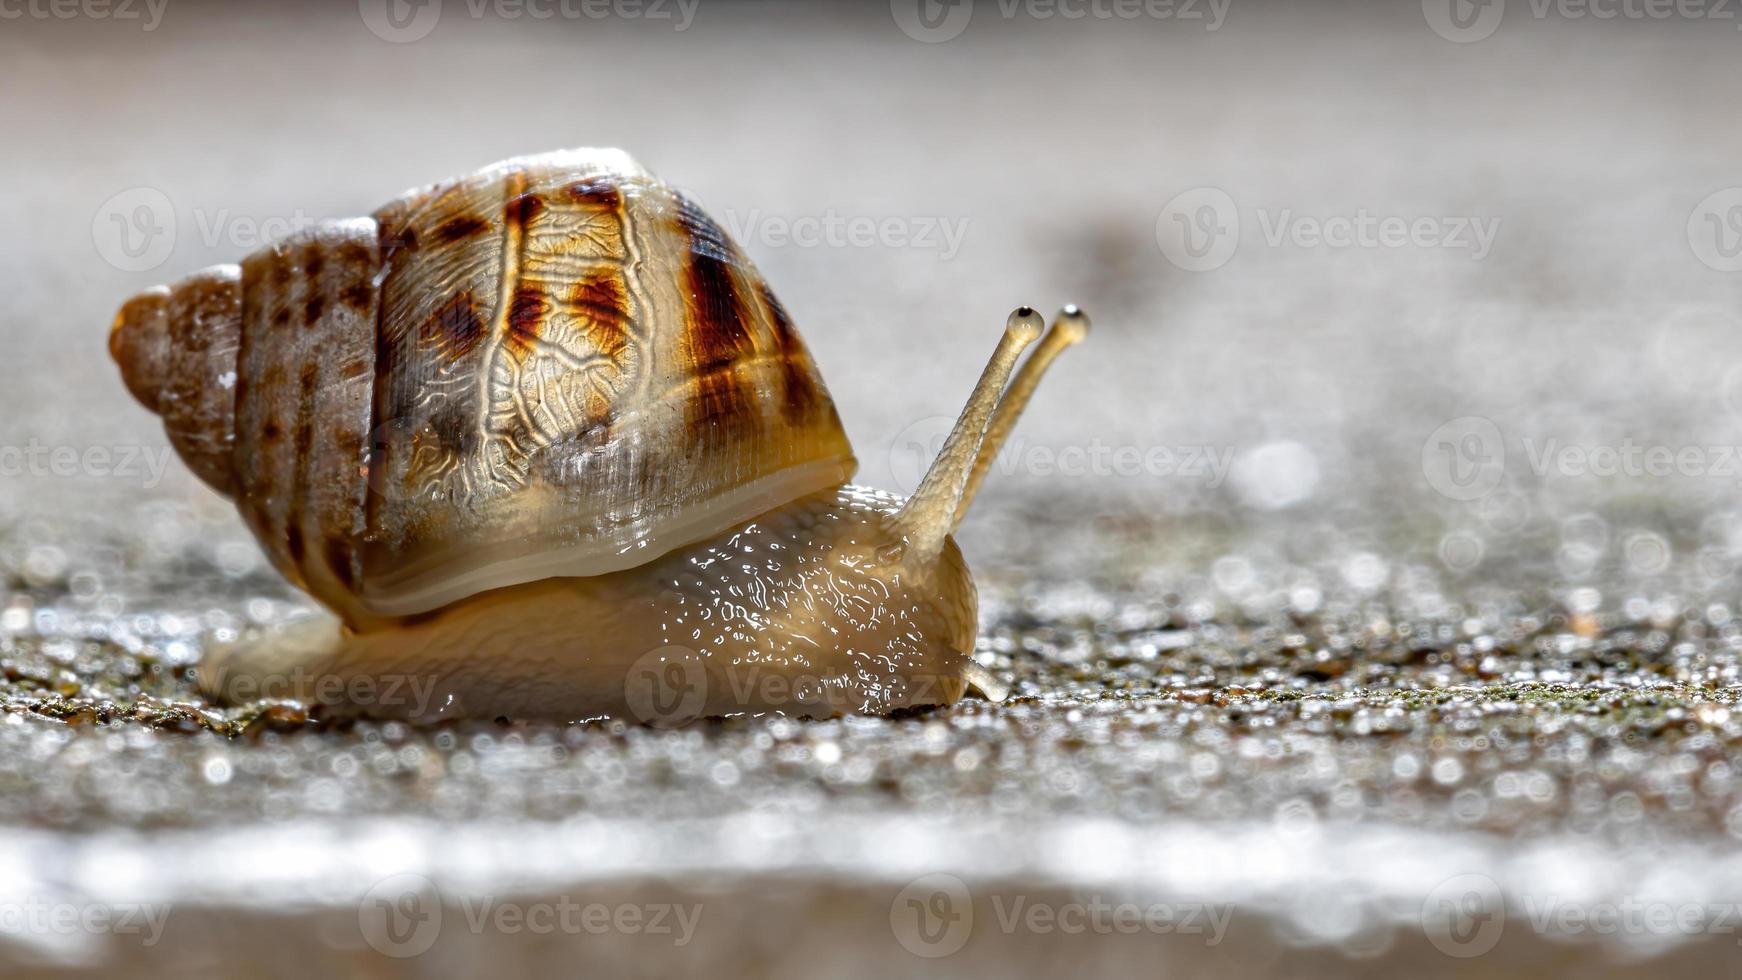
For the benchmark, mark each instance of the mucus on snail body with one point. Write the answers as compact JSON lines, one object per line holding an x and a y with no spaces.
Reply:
{"x":545,"y":445}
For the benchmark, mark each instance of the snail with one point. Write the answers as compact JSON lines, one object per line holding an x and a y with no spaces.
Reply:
{"x":545,"y":445}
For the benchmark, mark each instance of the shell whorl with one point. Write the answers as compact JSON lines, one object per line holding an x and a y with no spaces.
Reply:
{"x":177,"y":351}
{"x":555,"y":366}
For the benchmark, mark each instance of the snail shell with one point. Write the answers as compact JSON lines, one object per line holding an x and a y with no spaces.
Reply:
{"x":557,"y":366}
{"x":523,"y":431}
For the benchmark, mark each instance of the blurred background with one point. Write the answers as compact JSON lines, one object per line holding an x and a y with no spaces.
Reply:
{"x":1395,"y":488}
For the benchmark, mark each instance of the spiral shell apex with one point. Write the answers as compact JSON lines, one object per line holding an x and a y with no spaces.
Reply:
{"x":557,"y":366}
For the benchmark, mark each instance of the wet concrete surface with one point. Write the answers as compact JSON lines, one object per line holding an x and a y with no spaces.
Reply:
{"x":1318,"y":748}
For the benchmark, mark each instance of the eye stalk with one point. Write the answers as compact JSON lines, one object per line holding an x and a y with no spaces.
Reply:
{"x":936,"y":508}
{"x":1068,"y":329}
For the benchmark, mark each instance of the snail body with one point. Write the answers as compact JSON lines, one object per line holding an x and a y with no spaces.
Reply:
{"x":545,"y":445}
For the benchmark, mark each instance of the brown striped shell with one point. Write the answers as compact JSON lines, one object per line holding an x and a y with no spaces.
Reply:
{"x":557,"y":366}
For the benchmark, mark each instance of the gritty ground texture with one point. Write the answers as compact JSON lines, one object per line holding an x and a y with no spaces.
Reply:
{"x":1327,"y":660}
{"x":1162,"y":742}
{"x":1610,"y":717}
